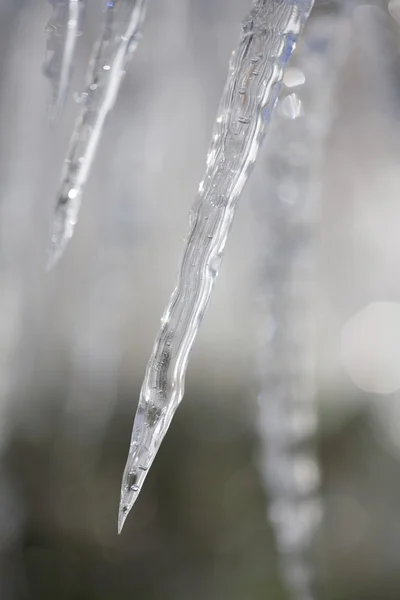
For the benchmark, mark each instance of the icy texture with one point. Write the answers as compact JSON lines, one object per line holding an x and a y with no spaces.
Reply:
{"x":121,"y":31}
{"x":269,"y":34}
{"x":62,"y":30}
{"x":289,"y":217}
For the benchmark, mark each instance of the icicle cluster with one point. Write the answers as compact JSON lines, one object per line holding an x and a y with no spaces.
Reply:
{"x":269,"y":35}
{"x":122,"y":25}
{"x":62,"y":30}
{"x":289,"y":218}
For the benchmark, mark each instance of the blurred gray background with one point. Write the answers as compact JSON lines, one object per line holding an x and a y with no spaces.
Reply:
{"x":74,"y":343}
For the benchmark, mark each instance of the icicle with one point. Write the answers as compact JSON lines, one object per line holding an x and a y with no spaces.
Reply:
{"x":62,"y":30}
{"x":288,"y":215}
{"x":269,"y":35}
{"x":123,"y":20}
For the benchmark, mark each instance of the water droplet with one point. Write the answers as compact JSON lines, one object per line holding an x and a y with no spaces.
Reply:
{"x":80,"y":98}
{"x":293,"y":77}
{"x":291,"y":107}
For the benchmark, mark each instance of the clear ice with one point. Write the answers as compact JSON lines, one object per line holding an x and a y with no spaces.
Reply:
{"x":62,"y":30}
{"x":269,"y":35}
{"x":122,"y":25}
{"x":288,"y":217}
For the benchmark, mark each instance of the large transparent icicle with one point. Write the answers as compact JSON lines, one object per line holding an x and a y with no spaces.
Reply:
{"x":62,"y":30}
{"x":288,"y":217}
{"x":122,"y":25}
{"x":269,"y":34}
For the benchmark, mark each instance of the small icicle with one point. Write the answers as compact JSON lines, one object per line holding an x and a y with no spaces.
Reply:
{"x":288,"y":217}
{"x":62,"y":30}
{"x":122,"y":25}
{"x":269,"y":35}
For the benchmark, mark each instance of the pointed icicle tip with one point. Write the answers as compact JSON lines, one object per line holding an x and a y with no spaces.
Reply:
{"x":62,"y":229}
{"x":122,"y":514}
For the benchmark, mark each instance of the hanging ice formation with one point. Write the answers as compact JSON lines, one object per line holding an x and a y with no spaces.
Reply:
{"x":122,"y":25}
{"x":289,"y":217}
{"x":269,"y":35}
{"x":62,"y":30}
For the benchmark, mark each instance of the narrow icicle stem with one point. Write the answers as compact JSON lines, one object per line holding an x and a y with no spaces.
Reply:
{"x":62,"y":30}
{"x":269,"y":35}
{"x":123,"y":20}
{"x":289,"y":221}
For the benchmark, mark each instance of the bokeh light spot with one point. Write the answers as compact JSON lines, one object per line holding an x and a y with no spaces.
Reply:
{"x":370,"y":347}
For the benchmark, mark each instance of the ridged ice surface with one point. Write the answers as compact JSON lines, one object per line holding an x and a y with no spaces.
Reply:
{"x":122,"y":25}
{"x":62,"y":30}
{"x":289,"y":219}
{"x":269,"y":34}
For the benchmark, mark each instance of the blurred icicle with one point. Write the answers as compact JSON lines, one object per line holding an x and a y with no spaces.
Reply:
{"x":288,"y":217}
{"x":374,"y":30}
{"x":122,"y":25}
{"x":394,"y":10}
{"x":269,"y":35}
{"x":62,"y":30}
